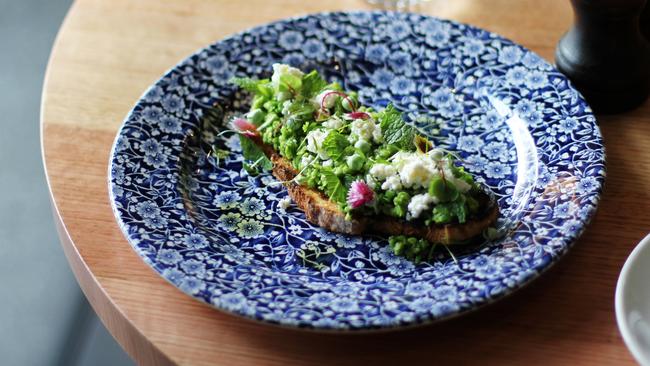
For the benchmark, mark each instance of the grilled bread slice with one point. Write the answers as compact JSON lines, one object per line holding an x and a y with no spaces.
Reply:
{"x":320,"y":211}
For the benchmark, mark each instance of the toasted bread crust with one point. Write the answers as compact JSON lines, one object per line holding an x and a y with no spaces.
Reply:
{"x":320,"y":211}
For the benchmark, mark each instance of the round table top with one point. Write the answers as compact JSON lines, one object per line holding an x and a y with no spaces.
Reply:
{"x":108,"y":52}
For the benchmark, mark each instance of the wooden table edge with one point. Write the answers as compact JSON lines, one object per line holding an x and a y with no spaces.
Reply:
{"x":136,"y":343}
{"x":118,"y":324}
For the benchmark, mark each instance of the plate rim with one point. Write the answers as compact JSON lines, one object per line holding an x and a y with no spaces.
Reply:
{"x":416,"y":323}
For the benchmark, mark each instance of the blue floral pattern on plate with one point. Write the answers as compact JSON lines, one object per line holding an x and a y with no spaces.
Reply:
{"x":189,"y":210}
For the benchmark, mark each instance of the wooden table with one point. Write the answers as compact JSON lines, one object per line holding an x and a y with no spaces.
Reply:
{"x":106,"y":55}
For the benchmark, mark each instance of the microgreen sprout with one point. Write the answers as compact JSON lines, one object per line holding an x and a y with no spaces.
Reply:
{"x":451,"y":254}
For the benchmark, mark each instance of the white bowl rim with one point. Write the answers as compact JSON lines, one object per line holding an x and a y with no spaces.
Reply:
{"x":641,"y":356}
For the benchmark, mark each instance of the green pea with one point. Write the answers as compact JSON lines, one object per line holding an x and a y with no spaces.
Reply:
{"x":256,"y":116}
{"x":341,"y":170}
{"x":401,"y":202}
{"x":442,"y":213}
{"x":349,"y":103}
{"x":399,"y":247}
{"x":355,"y":162}
{"x":289,"y":148}
{"x":402,"y":199}
{"x":293,"y":124}
{"x":349,"y":150}
{"x":363,"y":145}
{"x":387,"y":151}
{"x":443,"y":190}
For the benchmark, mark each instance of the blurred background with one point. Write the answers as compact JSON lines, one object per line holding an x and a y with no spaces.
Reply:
{"x":44,"y":317}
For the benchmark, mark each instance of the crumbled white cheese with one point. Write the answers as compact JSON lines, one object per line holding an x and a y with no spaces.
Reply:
{"x":392,"y":183}
{"x":284,"y":203}
{"x":330,"y":98}
{"x":315,"y":140}
{"x":418,"y":172}
{"x":400,"y":158}
{"x":363,"y":129}
{"x":382,"y":171}
{"x":328,"y":163}
{"x":418,"y":204}
{"x":333,"y":123}
{"x":282,"y":69}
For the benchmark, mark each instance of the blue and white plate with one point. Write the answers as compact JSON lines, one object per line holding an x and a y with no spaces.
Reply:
{"x":190,"y":211}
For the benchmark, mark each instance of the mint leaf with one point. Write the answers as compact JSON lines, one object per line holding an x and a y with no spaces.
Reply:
{"x":290,"y":83}
{"x":312,"y":83}
{"x":443,"y":213}
{"x":395,"y":130}
{"x":333,"y":186}
{"x":303,"y":109}
{"x":254,"y":154}
{"x":335,"y":144}
{"x":258,"y":87}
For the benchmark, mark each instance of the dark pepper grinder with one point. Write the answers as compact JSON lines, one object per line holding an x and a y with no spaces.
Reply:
{"x":605,"y":55}
{"x":645,"y":22}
